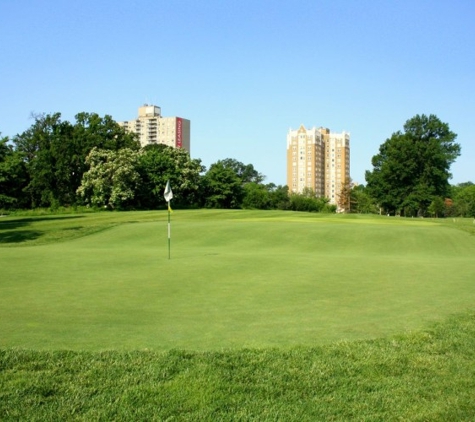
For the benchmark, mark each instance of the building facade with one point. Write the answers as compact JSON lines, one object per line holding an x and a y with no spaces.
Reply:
{"x":152,"y":128}
{"x":320,"y":160}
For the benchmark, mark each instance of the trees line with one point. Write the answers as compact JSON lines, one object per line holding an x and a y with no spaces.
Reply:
{"x":95,"y":162}
{"x":411,"y":172}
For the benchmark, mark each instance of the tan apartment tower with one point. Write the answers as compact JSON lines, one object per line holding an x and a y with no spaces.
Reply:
{"x":152,"y":128}
{"x":320,"y":160}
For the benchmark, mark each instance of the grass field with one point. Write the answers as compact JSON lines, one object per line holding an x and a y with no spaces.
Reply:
{"x":422,"y":376}
{"x":257,"y":316}
{"x":235,"y":279}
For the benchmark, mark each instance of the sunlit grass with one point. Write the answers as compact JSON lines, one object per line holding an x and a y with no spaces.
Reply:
{"x":423,"y":376}
{"x":257,"y":316}
{"x":235,"y":279}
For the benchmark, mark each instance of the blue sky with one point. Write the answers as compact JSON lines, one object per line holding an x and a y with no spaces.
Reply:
{"x":246,"y":71}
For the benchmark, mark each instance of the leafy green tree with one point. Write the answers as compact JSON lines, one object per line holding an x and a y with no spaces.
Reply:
{"x":256,"y":196}
{"x":112,"y":178}
{"x":54,"y":152}
{"x":278,"y":196}
{"x":308,"y":201}
{"x":13,"y":177}
{"x":412,"y":167}
{"x":90,"y":131}
{"x":456,"y":189}
{"x":104,"y":132}
{"x":266,"y":196}
{"x":437,"y":207}
{"x":158,"y":164}
{"x":246,"y":172}
{"x":222,"y":187}
{"x":464,"y":200}
{"x":362,"y":202}
{"x":43,"y":147}
{"x":449,"y":209}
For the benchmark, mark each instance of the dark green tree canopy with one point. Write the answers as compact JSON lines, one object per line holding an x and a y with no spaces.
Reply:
{"x":230,"y":183}
{"x":54,"y":153}
{"x":464,"y":199}
{"x":412,"y":167}
{"x":12,"y":175}
{"x":246,"y":172}
{"x":222,"y":187}
{"x":361,"y":201}
{"x":160,"y":163}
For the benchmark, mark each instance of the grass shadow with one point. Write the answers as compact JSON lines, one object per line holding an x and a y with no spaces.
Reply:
{"x":9,"y":224}
{"x":19,"y":236}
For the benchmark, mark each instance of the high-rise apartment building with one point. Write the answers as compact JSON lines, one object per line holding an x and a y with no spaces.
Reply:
{"x":152,"y":128}
{"x":320,"y":160}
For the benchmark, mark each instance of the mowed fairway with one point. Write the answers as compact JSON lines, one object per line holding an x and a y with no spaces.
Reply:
{"x":235,"y":279}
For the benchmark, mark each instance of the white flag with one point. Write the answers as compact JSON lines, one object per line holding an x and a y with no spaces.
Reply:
{"x":168,"y":194}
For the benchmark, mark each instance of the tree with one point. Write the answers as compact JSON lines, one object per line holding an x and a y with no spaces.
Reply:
{"x":93,"y":131}
{"x":279,"y":196}
{"x":308,"y":201}
{"x":437,"y":207}
{"x":464,"y":200}
{"x":344,"y":197}
{"x":13,"y":177}
{"x":256,"y":196}
{"x":44,"y":147}
{"x":222,"y":187}
{"x":362,"y":202}
{"x":54,"y":152}
{"x":112,"y":178}
{"x":449,"y":209}
{"x":158,"y":164}
{"x":412,"y":167}
{"x":246,"y":172}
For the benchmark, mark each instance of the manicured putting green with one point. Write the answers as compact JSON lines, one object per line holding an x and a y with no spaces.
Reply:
{"x":235,"y":279}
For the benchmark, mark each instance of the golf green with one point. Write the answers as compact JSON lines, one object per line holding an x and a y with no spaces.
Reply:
{"x":234,"y":279}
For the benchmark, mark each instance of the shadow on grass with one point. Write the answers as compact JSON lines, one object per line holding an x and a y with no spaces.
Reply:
{"x":18,"y":236}
{"x":15,"y":223}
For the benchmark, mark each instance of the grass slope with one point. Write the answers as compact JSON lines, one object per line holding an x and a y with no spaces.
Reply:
{"x":423,"y":376}
{"x":236,"y":279}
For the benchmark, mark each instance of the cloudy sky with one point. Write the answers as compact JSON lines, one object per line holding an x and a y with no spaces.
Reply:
{"x":245,"y":72}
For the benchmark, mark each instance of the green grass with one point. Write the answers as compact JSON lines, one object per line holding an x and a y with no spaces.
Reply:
{"x":423,"y":376}
{"x":259,"y":316}
{"x":235,"y":279}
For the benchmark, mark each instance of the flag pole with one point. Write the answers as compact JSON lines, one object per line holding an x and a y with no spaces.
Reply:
{"x":168,"y":195}
{"x":169,"y":237}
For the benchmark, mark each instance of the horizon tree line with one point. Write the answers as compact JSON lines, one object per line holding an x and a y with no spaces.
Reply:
{"x":94,"y":162}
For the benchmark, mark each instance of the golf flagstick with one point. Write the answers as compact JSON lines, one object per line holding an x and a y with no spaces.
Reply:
{"x":168,"y":195}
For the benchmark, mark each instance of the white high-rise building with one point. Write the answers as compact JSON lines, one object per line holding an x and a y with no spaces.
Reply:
{"x":152,"y":128}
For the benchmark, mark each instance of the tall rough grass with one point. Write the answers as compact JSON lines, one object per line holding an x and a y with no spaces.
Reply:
{"x":421,"y":376}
